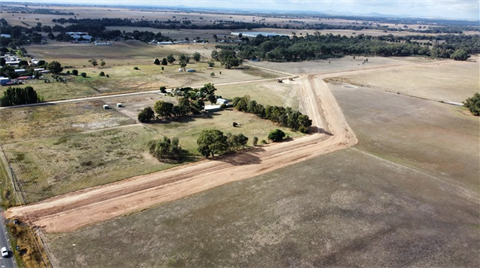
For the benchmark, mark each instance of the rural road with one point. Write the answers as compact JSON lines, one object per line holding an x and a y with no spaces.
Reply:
{"x":5,"y":242}
{"x":134,"y":93}
{"x":74,"y":210}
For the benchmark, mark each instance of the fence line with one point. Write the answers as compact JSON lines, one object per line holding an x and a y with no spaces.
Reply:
{"x":48,"y":252}
{"x":17,"y":190}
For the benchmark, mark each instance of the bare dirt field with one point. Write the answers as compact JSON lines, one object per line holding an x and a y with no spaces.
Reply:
{"x":453,"y":82}
{"x":334,"y":65}
{"x":342,"y":209}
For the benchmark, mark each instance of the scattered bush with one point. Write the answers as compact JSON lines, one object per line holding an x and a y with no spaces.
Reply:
{"x":276,"y":136}
{"x":75,"y":72}
{"x":84,"y":75}
{"x":166,"y":149}
{"x":101,"y":74}
{"x":255,"y":141}
{"x":136,"y":68}
{"x":163,"y":89}
{"x":473,"y":104}
{"x":156,"y":62}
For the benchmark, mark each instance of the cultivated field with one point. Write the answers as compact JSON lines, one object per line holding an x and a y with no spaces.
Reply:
{"x":455,"y":81}
{"x":340,"y":64}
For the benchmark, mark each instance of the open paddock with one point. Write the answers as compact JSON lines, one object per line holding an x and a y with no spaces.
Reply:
{"x":455,"y":81}
{"x":30,"y":123}
{"x":53,"y":166}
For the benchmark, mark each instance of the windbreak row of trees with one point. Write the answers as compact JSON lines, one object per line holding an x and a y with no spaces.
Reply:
{"x":282,"y":48}
{"x":17,"y":96}
{"x":286,"y":117}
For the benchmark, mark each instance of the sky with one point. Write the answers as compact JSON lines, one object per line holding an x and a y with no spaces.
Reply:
{"x":452,"y":9}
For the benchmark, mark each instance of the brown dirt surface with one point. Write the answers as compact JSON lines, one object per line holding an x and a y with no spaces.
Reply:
{"x":74,"y":210}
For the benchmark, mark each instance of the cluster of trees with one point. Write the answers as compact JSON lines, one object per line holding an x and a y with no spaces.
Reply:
{"x":318,"y":46}
{"x":213,"y":141}
{"x":192,"y":101}
{"x":227,"y":57}
{"x":473,"y":104}
{"x":166,"y":149}
{"x":287,"y":117}
{"x":17,"y":96}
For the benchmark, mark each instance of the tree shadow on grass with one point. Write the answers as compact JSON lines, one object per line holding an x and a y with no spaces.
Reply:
{"x":241,"y":158}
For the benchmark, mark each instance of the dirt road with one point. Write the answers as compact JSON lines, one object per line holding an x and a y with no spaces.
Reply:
{"x":74,"y":210}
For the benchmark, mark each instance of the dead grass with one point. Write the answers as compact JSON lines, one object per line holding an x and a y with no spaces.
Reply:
{"x":54,"y":166}
{"x":22,"y":124}
{"x":453,"y":82}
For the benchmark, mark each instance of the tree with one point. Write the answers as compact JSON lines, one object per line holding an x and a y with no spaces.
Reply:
{"x":55,"y":67}
{"x":255,"y":141}
{"x":101,"y":74}
{"x":93,"y":62}
{"x":17,"y":96}
{"x":215,"y":55}
{"x":163,"y":89}
{"x":146,"y":115}
{"x":166,"y":149}
{"x":196,"y":56}
{"x":473,"y":104}
{"x":2,"y":61}
{"x":277,"y":135}
{"x":459,"y":54}
{"x":75,"y":72}
{"x":211,"y":64}
{"x":170,"y":59}
{"x":102,"y":62}
{"x":211,"y":142}
{"x":163,"y":108}
{"x":84,"y":75}
{"x":156,"y":62}
{"x":183,"y":63}
{"x":164,"y":61}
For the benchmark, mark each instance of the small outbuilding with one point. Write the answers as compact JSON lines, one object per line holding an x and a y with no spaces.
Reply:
{"x":212,"y":108}
{"x":222,"y":101}
{"x":191,"y":70}
{"x":119,"y":105}
{"x":105,"y":107}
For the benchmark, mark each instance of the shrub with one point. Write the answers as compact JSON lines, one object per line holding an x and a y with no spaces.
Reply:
{"x":84,"y":75}
{"x":223,"y":106}
{"x":277,"y":135}
{"x":163,"y":89}
{"x":255,"y":141}
{"x":264,"y":142}
{"x":473,"y":104}
{"x":156,"y":62}
{"x":75,"y":72}
{"x":135,"y":68}
{"x":101,"y":74}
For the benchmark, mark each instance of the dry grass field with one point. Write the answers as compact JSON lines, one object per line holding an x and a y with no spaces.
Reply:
{"x":54,"y":166}
{"x":404,"y":196}
{"x":121,"y":58}
{"x":23,"y":124}
{"x":453,"y":82}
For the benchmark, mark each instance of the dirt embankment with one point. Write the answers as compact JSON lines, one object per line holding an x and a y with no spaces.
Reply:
{"x":74,"y":210}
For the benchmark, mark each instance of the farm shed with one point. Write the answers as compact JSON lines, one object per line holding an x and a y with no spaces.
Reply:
{"x":191,"y":70}
{"x":212,"y":108}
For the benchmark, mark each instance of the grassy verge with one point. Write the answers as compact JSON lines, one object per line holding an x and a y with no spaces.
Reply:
{"x":30,"y":253}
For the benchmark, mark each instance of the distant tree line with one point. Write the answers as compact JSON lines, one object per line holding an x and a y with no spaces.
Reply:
{"x":318,"y":46}
{"x":286,"y":117}
{"x":18,"y":96}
